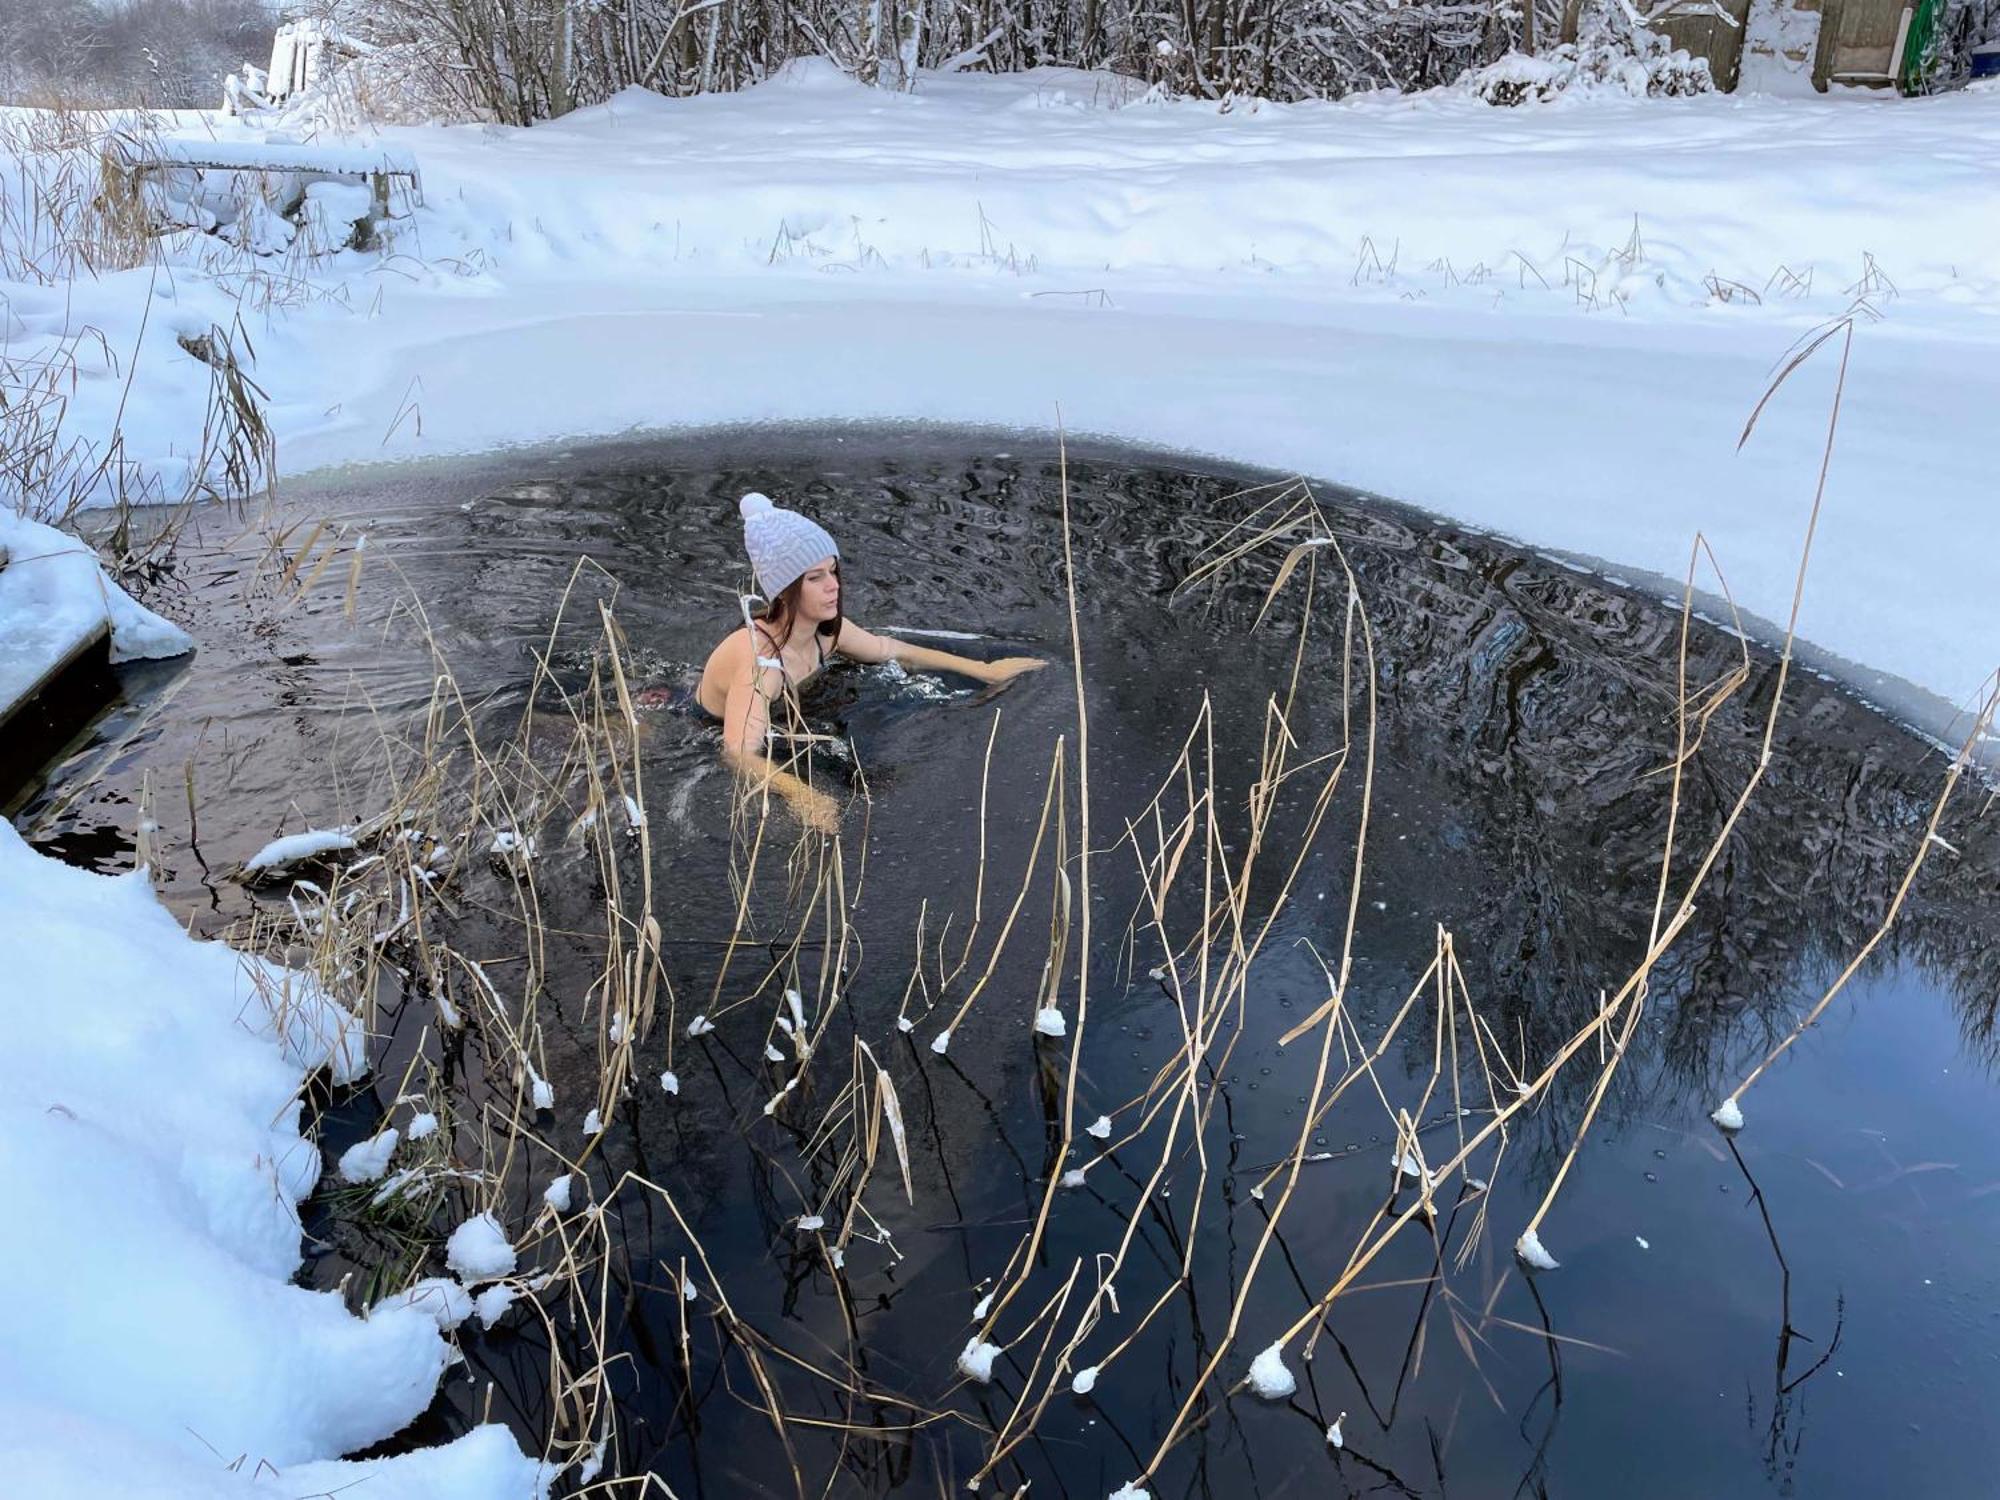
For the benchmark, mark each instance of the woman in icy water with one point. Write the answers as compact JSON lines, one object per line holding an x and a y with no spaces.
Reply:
{"x":798,"y":567}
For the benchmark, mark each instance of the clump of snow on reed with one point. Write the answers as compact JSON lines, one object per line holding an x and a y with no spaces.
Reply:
{"x":491,"y":1305}
{"x":440,"y":1296}
{"x":366,"y":1161}
{"x":1529,"y":1248}
{"x":1728,"y":1114}
{"x":975,"y":1360}
{"x":149,"y":1113}
{"x":478,"y":1249}
{"x":282,"y":853}
{"x":1269,"y":1375}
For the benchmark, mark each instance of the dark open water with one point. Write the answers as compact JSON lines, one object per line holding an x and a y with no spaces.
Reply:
{"x":1523,"y":709}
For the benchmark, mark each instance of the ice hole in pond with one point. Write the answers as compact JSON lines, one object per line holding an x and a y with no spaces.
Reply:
{"x":1524,"y":715}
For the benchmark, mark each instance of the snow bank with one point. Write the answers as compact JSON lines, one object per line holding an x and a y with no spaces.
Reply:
{"x":55,"y":595}
{"x":151,"y":1155}
{"x":52,"y":1452}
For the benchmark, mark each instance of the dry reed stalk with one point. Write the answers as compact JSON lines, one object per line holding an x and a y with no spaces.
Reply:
{"x":1960,"y":763}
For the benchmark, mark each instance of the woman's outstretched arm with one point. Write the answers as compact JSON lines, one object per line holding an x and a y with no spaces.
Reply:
{"x":865,"y":646}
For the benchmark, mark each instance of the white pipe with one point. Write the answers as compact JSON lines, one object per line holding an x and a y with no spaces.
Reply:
{"x":1902,"y":41}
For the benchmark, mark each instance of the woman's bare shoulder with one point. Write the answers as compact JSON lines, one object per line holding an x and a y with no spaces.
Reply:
{"x":735,"y":650}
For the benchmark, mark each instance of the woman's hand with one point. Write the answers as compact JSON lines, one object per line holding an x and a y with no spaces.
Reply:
{"x":816,"y":810}
{"x":1007,"y":668}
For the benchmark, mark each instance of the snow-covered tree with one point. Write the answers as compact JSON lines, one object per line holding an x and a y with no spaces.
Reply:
{"x":524,"y":60}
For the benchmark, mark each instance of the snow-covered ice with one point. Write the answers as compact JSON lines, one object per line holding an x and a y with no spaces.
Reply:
{"x":54,"y":596}
{"x":149,"y":1110}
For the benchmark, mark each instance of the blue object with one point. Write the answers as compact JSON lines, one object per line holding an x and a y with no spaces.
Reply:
{"x":1986,"y":60}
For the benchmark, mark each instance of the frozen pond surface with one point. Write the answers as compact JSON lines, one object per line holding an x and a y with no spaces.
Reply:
{"x":1812,"y":1310}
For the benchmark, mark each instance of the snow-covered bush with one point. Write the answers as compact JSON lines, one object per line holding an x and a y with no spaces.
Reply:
{"x":1615,"y":52}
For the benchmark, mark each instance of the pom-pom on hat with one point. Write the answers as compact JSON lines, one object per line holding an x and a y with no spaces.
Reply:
{"x":782,"y":543}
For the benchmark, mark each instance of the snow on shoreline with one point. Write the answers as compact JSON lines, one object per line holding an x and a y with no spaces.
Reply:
{"x":1546,"y":322}
{"x":54,"y":595}
{"x":151,"y":1159}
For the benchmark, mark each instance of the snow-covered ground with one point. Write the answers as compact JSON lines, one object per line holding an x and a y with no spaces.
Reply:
{"x":151,"y":1164}
{"x":1550,"y":321}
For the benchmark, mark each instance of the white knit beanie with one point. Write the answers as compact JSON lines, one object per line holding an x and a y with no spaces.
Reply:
{"x":782,"y":543}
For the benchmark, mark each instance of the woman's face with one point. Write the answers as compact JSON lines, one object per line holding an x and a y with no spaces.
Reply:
{"x":819,"y":591}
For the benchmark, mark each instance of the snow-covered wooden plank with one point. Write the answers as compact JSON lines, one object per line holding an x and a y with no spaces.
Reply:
{"x":375,"y":163}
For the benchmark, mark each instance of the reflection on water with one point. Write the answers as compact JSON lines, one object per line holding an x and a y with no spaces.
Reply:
{"x":1804,"y":1312}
